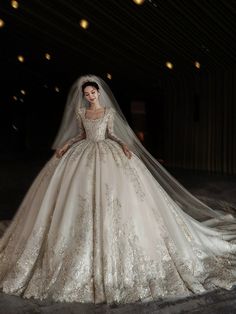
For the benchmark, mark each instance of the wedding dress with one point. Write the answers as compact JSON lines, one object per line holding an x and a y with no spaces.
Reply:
{"x":96,"y":226}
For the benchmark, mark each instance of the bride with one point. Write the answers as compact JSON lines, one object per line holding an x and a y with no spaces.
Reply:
{"x":105,"y":222}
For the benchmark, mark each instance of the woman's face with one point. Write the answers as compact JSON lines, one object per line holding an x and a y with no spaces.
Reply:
{"x":91,"y":94}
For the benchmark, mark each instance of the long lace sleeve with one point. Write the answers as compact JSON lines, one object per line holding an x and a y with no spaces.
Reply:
{"x":81,"y":134}
{"x":110,"y":129}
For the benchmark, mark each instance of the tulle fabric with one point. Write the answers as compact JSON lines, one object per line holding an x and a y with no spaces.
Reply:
{"x":69,"y":129}
{"x":96,"y":226}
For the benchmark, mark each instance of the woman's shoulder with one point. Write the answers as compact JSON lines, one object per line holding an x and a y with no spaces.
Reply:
{"x":111,"y":111}
{"x":79,"y":112}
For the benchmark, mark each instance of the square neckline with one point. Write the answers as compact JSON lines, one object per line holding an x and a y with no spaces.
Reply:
{"x":102,"y":117}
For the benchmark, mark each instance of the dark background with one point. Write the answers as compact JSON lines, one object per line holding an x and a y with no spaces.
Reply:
{"x":189,"y":114}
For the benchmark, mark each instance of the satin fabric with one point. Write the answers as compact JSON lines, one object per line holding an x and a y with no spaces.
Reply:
{"x":96,"y":226}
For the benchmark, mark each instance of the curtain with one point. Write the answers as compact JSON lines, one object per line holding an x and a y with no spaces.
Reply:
{"x":200,"y":121}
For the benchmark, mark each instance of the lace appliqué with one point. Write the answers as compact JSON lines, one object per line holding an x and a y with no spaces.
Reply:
{"x":134,"y":275}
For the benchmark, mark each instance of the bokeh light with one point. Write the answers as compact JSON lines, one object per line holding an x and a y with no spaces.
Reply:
{"x":169,"y":65}
{"x":47,"y":56}
{"x":84,"y":23}
{"x":197,"y":64}
{"x":20,"y":58}
{"x":2,"y":23}
{"x":138,"y":2}
{"x":15,"y":4}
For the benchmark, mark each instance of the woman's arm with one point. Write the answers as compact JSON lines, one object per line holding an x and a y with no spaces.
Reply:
{"x":82,"y":135}
{"x":112,"y":135}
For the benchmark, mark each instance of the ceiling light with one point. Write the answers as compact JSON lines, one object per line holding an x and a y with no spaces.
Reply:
{"x":15,"y":4}
{"x":15,"y":98}
{"x":138,"y":2}
{"x":20,"y":58}
{"x":84,"y":23}
{"x":23,"y":92}
{"x":57,"y":89}
{"x":47,"y":56}
{"x":197,"y":64}
{"x":2,"y":23}
{"x":169,"y":65}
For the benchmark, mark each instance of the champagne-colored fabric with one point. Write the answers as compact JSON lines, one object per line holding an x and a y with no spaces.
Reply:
{"x":96,"y":226}
{"x":70,"y":129}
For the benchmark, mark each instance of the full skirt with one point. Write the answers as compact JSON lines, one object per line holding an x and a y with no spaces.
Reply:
{"x":96,"y":226}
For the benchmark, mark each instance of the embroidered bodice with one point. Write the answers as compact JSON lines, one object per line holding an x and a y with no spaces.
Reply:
{"x":96,"y":129}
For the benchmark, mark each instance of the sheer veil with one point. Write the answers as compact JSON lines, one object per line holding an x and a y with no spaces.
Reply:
{"x":69,"y":129}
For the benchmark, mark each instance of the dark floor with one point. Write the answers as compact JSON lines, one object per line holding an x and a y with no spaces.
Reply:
{"x":217,"y":302}
{"x":216,"y":190}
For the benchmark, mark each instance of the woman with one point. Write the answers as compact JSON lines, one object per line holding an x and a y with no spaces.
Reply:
{"x":105,"y":222}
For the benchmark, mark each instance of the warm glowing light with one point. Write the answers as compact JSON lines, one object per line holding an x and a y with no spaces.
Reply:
{"x":15,"y":98}
{"x":169,"y":65}
{"x":109,"y":76}
{"x":197,"y":64}
{"x":84,"y":23}
{"x":15,"y":4}
{"x":23,"y":92}
{"x":20,"y":58}
{"x":2,"y":23}
{"x":57,"y":89}
{"x":138,"y":2}
{"x":48,"y":56}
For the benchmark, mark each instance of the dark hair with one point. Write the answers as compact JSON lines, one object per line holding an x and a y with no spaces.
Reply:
{"x":93,"y":84}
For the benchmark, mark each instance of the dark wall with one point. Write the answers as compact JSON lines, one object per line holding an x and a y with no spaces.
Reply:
{"x":189,"y":120}
{"x":200,"y":115}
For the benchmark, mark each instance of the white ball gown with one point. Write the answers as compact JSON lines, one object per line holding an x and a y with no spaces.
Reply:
{"x":96,"y":226}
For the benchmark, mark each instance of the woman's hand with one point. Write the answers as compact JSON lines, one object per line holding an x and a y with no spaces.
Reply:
{"x":61,"y":151}
{"x":126,"y":151}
